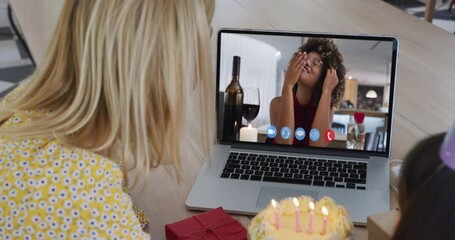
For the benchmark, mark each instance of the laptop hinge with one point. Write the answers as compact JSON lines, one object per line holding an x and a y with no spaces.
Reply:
{"x":303,"y":150}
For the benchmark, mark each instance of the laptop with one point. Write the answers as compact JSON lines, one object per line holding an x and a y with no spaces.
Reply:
{"x":247,"y":171}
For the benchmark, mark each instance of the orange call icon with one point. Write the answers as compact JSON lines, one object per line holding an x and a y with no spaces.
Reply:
{"x":330,"y":135}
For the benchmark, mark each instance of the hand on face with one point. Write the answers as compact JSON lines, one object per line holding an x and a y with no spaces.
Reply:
{"x":331,"y":80}
{"x":295,"y":67}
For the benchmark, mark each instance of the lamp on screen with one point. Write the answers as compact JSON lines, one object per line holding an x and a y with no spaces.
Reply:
{"x":371,"y":94}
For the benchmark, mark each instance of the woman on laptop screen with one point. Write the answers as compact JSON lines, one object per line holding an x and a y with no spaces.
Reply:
{"x":313,"y":86}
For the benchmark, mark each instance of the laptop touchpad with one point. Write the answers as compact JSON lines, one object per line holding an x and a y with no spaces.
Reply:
{"x":278,"y":193}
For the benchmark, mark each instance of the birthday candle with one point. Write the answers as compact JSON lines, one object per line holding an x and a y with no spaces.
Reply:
{"x":324,"y":221}
{"x":277,"y":216}
{"x":311,"y":219}
{"x":298,"y":226}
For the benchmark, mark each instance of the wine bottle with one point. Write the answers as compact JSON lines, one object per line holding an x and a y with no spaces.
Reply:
{"x":233,"y":103}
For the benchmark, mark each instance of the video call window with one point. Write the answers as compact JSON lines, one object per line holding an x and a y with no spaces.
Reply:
{"x":284,"y":82}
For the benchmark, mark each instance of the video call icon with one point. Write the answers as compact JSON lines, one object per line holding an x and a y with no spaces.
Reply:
{"x":285,"y":133}
{"x":271,"y":131}
{"x":314,"y":135}
{"x":300,"y":134}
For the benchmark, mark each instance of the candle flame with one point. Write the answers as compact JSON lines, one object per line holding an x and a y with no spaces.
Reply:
{"x":273,"y":203}
{"x":325,"y":211}
{"x":249,"y":125}
{"x":311,"y":206}
{"x":296,"y":202}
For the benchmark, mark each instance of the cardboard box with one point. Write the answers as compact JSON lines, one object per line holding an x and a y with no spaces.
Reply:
{"x":381,"y":226}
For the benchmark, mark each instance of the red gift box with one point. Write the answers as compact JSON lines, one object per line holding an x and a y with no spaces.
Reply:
{"x":215,"y":224}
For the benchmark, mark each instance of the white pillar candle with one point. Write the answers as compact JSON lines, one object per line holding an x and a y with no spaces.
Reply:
{"x":249,"y":134}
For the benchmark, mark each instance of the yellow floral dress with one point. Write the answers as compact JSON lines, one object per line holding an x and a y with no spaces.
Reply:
{"x":50,"y":191}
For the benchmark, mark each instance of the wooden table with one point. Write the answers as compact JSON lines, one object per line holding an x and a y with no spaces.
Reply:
{"x":425,"y":84}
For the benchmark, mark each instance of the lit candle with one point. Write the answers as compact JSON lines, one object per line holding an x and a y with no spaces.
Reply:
{"x":324,"y":221}
{"x":248,"y":134}
{"x":277,"y":215}
{"x":311,"y":219}
{"x":298,"y":226}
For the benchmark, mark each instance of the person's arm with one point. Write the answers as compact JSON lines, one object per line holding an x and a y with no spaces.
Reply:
{"x":282,"y":111}
{"x":324,"y":112}
{"x":284,"y":108}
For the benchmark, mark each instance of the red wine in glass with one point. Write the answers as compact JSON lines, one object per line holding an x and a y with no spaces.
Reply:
{"x":250,"y":111}
{"x":251,"y":104}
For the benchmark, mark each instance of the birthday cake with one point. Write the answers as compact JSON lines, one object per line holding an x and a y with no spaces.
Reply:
{"x":301,"y":218}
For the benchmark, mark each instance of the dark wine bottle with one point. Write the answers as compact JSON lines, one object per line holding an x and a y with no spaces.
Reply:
{"x":233,"y":103}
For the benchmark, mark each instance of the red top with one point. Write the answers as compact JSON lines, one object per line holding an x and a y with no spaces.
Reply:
{"x":303,"y":117}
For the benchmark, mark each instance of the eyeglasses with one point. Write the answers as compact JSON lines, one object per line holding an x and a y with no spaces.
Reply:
{"x":314,"y":62}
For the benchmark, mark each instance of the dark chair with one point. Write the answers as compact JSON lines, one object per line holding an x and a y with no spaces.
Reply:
{"x":19,"y":34}
{"x":371,"y":141}
{"x":450,"y":6}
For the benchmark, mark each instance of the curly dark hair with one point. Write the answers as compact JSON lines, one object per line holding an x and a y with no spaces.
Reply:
{"x":331,"y":58}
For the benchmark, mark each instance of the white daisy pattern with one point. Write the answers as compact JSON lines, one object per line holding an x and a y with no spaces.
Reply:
{"x":50,"y":191}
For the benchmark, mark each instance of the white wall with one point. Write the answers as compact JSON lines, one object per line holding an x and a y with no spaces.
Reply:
{"x":257,"y":69}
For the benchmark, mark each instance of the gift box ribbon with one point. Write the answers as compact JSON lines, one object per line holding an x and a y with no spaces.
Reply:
{"x":214,"y":228}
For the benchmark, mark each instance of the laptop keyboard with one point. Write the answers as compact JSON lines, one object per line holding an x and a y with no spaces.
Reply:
{"x":307,"y":171}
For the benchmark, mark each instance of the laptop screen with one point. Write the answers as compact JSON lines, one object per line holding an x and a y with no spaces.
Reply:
{"x":306,"y":90}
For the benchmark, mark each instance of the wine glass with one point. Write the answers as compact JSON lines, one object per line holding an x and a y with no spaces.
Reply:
{"x":251,"y":104}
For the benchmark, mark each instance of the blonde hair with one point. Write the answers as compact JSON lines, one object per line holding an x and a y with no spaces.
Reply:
{"x":125,"y":78}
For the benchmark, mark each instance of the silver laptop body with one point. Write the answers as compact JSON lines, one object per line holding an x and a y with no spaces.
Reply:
{"x":372,"y":64}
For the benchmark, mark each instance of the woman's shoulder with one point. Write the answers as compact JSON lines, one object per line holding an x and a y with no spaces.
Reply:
{"x":50,"y":153}
{"x":18,"y":119}
{"x":275,"y":101}
{"x":11,"y":96}
{"x":91,"y":163}
{"x":275,"y":105}
{"x":87,"y":156}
